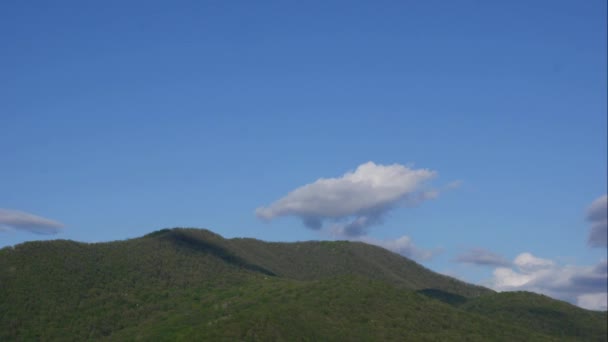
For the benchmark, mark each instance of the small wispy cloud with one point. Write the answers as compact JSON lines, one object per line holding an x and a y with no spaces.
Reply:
{"x":483,"y":257}
{"x":454,"y":185}
{"x":597,"y":215}
{"x":11,"y":219}
{"x":404,"y":246}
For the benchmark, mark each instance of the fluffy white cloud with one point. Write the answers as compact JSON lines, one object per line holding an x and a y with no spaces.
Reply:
{"x":480,"y":256}
{"x":357,"y":200}
{"x":581,"y":285}
{"x":528,"y":263}
{"x":360,"y":198}
{"x":597,"y":215}
{"x":14,"y":219}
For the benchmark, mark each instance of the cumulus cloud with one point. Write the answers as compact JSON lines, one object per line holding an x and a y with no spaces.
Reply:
{"x":581,"y":285}
{"x":17,"y":220}
{"x":585,"y":286}
{"x":597,"y":215}
{"x":480,"y":256}
{"x":528,"y":263}
{"x":355,"y":201}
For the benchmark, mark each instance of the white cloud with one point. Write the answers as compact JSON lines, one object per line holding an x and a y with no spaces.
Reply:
{"x":402,"y":245}
{"x":18,"y":220}
{"x":360,"y":198}
{"x":593,"y":301}
{"x":597,"y":215}
{"x":480,"y":256}
{"x":506,"y":278}
{"x":581,"y":285}
{"x":528,"y":263}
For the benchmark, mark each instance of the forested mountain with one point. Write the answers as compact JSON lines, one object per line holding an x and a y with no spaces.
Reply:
{"x":184,"y":284}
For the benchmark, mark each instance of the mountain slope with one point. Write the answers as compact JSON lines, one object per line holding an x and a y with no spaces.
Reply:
{"x":321,"y":259}
{"x":540,"y":313}
{"x":193,"y":284}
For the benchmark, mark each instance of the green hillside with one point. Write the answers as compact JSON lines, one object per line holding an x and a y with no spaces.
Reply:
{"x":185,"y":284}
{"x":541,"y":313}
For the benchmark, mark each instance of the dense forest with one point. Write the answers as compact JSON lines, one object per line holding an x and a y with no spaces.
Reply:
{"x":184,"y":284}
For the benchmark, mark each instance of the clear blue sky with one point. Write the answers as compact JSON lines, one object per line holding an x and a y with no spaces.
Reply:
{"x":118,"y":118}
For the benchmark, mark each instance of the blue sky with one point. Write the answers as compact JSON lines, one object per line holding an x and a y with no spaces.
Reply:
{"x":119,"y":119}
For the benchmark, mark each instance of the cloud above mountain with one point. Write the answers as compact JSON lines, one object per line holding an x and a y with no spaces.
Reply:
{"x":482,"y":257}
{"x":402,"y":245}
{"x":349,"y":205}
{"x":597,"y":215}
{"x":11,"y":219}
{"x":582,"y":285}
{"x":355,"y":201}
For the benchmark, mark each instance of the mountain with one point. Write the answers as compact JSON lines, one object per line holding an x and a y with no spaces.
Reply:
{"x":192,"y":284}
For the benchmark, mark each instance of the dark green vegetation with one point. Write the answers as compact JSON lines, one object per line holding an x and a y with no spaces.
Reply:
{"x":189,"y":284}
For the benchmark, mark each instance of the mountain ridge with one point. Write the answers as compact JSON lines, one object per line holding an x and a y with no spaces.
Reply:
{"x":193,"y":283}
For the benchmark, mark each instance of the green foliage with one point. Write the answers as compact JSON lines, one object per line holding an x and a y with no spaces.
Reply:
{"x":543,"y":314}
{"x":189,"y":284}
{"x":316,"y":260}
{"x":446,"y":297}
